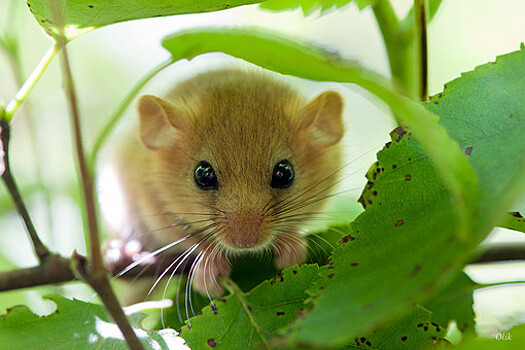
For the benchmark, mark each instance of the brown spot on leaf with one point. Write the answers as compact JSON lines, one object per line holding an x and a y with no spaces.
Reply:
{"x":368,"y":343}
{"x":280,"y":313}
{"x":368,"y":306}
{"x":398,"y":133}
{"x":510,"y":116}
{"x":294,"y":272}
{"x":416,"y":270}
{"x":330,"y":275}
{"x":408,"y":177}
{"x":399,"y":222}
{"x":468,"y":151}
{"x":394,"y":166}
{"x":346,"y":239}
{"x":436,"y":102}
{"x":212,"y":343}
{"x":516,"y":214}
{"x":404,"y":338}
{"x":354,"y":264}
{"x":387,"y":145}
{"x":90,"y":6}
{"x":420,"y":325}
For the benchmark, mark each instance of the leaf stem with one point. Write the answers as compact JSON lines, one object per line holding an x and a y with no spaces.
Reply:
{"x":234,"y":289}
{"x":40,"y":249}
{"x":102,"y":137}
{"x":398,"y":39}
{"x":30,"y":83}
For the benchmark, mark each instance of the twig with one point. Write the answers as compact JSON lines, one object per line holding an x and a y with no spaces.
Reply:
{"x":95,"y":274}
{"x":54,"y":269}
{"x":500,"y":252}
{"x":420,"y":21}
{"x":39,"y":247}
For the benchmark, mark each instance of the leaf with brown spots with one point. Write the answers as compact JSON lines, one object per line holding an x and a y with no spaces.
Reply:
{"x":403,"y":333}
{"x":514,"y":221}
{"x":387,"y":281}
{"x":251,"y":320}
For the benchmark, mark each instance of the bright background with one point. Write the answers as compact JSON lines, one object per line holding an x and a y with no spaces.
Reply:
{"x":108,"y":61}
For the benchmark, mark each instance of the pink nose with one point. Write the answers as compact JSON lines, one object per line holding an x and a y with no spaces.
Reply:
{"x":243,"y":228}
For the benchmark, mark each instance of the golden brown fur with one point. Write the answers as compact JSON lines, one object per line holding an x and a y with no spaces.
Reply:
{"x":242,"y":124}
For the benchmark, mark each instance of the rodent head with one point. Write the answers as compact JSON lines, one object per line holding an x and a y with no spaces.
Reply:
{"x":244,"y":157}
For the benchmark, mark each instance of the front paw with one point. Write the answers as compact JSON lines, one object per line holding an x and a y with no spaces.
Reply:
{"x":290,"y":249}
{"x":204,"y":278}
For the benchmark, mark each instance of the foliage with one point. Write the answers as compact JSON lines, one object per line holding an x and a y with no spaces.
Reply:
{"x":394,"y":280}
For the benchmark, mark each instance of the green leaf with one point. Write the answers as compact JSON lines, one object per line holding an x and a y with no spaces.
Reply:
{"x":75,"y":324}
{"x":514,"y":221}
{"x":250,"y":320}
{"x":513,"y":339}
{"x":413,"y":331}
{"x":81,"y":16}
{"x":455,"y":303}
{"x":310,"y":6}
{"x":404,"y":247}
{"x":289,"y":56}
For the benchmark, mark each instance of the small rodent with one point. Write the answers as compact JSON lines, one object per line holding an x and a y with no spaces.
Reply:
{"x":229,"y":162}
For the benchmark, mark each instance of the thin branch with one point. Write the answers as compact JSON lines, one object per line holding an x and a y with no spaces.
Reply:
{"x":102,"y":137}
{"x":40,"y":249}
{"x":95,"y":274}
{"x":30,"y":83}
{"x":420,"y":21}
{"x":54,"y":269}
{"x":500,"y":252}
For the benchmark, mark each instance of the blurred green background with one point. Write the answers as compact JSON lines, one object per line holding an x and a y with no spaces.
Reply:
{"x":108,"y":61}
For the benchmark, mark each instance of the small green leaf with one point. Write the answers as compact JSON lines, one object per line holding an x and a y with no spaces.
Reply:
{"x":81,"y":16}
{"x":310,"y":6}
{"x":75,"y":324}
{"x":514,"y":221}
{"x":250,"y":320}
{"x":455,"y":303}
{"x":413,"y":331}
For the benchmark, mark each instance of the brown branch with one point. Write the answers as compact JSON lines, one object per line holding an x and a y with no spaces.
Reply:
{"x":5,"y":134}
{"x":500,"y":252}
{"x":54,"y":269}
{"x":94,"y":274}
{"x":420,"y":14}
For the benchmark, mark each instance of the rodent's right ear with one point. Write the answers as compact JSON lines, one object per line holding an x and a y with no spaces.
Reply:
{"x":160,"y":122}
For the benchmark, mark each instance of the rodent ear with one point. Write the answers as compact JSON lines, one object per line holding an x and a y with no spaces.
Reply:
{"x":322,"y":117}
{"x":160,"y":123}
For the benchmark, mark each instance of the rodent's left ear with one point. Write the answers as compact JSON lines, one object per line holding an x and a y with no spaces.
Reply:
{"x":322,"y":117}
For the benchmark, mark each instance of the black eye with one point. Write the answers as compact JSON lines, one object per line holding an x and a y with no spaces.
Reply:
{"x":283,"y":174}
{"x":205,"y":176}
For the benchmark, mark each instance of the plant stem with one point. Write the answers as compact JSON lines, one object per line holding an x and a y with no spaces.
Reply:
{"x":40,"y":249}
{"x":30,"y":83}
{"x":102,"y":137}
{"x":420,"y":20}
{"x":398,"y":39}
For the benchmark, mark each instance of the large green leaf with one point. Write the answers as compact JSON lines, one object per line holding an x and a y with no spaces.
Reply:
{"x":250,"y":320}
{"x":413,"y":331}
{"x":455,"y":302}
{"x":75,"y":325}
{"x":81,"y":16}
{"x":404,"y":245}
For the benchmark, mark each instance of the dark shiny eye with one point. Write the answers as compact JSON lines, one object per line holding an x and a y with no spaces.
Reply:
{"x":205,"y":176}
{"x":283,"y":174}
